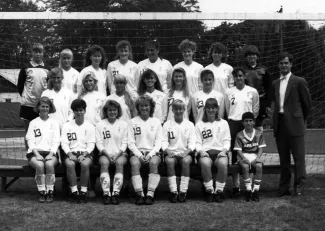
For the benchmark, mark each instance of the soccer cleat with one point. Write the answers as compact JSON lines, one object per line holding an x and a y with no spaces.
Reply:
{"x":83,"y":197}
{"x":139,"y":199}
{"x":235,"y":192}
{"x":149,"y":200}
{"x":50,"y":196}
{"x":115,"y":200}
{"x":75,"y":197}
{"x":208,"y":196}
{"x":219,"y":196}
{"x":173,"y":197}
{"x":182,"y":197}
{"x":255,"y":196}
{"x":248,"y":195}
{"x":106,"y":199}
{"x":42,"y":197}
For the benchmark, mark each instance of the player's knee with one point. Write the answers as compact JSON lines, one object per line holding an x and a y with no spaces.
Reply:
{"x":120,"y":162}
{"x":205,"y":162}
{"x":259,"y":167}
{"x":245,"y":167}
{"x":69,"y":164}
{"x":49,"y":166}
{"x":154,"y":161}
{"x":84,"y":166}
{"x":169,"y":161}
{"x":135,"y":163}
{"x":186,"y":161}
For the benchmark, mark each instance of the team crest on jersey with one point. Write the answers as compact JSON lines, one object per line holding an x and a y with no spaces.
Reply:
{"x":130,"y":70}
{"x":151,"y":127}
{"x":119,"y":129}
{"x":86,"y":132}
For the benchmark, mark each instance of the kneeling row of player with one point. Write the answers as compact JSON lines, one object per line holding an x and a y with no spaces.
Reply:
{"x":144,"y":136}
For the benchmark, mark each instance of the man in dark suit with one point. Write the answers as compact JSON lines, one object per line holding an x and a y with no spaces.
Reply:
{"x":292,"y":104}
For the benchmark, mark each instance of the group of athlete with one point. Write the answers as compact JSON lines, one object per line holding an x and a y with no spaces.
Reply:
{"x":143,"y":114}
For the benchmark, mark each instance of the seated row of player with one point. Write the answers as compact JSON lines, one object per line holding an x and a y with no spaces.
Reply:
{"x":144,"y":137}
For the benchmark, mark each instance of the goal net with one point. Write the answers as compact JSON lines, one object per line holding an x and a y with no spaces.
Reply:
{"x":304,"y":38}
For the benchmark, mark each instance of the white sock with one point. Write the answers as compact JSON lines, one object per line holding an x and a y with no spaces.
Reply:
{"x":49,"y":182}
{"x":40,"y":182}
{"x":118,"y":182}
{"x":137,"y":183}
{"x":105,"y":182}
{"x":84,"y":189}
{"x":257,"y":184}
{"x":184,"y":183}
{"x":153,"y":183}
{"x":74,"y":189}
{"x":248,"y":184}
{"x":172,"y":183}
{"x":208,"y":186}
{"x":220,"y":186}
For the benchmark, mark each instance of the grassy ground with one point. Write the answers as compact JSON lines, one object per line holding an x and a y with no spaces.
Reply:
{"x":19,"y":210}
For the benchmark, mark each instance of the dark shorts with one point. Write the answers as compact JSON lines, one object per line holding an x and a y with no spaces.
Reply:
{"x":213,"y":154}
{"x":124,"y":154}
{"x":30,"y":155}
{"x":27,"y":113}
{"x":179,"y":159}
{"x":77,"y":154}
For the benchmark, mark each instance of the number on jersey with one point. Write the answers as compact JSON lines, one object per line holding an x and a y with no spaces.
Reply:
{"x":199,"y":104}
{"x":206,"y":134}
{"x":106,"y":134}
{"x":115,"y":73}
{"x":137,"y":130}
{"x":171,"y":135}
{"x":232,"y":100}
{"x":72,"y":136}
{"x":37,"y":132}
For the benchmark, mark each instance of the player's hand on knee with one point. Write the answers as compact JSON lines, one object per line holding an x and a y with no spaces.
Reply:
{"x":204,"y":154}
{"x":246,"y":161}
{"x":81,"y":158}
{"x":49,"y":156}
{"x":72,"y":157}
{"x":222,"y":154}
{"x":39,"y":157}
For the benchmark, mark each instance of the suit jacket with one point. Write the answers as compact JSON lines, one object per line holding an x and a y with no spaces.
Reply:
{"x":296,"y":106}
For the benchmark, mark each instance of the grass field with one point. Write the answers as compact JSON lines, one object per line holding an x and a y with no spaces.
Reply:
{"x":19,"y":210}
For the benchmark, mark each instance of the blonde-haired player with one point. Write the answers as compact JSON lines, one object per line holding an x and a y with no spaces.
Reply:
{"x":70,"y":75}
{"x":178,"y":144}
{"x":144,"y":141}
{"x":111,"y":142}
{"x":43,"y":138}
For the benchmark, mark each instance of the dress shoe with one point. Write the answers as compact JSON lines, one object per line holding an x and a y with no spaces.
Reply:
{"x":283,"y":193}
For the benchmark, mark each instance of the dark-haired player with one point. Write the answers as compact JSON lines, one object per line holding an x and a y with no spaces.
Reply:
{"x":249,"y":145}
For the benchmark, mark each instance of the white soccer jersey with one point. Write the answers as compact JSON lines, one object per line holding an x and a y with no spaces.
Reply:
{"x":240,"y":101}
{"x":214,"y":135}
{"x":112,"y":137}
{"x":128,"y":70}
{"x":62,"y":101}
{"x":94,"y":101}
{"x":223,"y":78}
{"x":144,"y":136}
{"x":126,"y":113}
{"x":100,"y":75}
{"x":192,"y":75}
{"x":158,"y":97}
{"x":70,"y":79}
{"x":43,"y":135}
{"x":75,"y":138}
{"x":162,"y":67}
{"x":198,"y":102}
{"x":167,"y":111}
{"x":178,"y":137}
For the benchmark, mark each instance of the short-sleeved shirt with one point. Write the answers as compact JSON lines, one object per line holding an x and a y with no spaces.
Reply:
{"x":248,"y":144}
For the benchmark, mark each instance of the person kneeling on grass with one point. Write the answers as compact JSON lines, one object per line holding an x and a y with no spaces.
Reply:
{"x":178,"y":143}
{"x":78,"y":143}
{"x":111,"y":142}
{"x":212,"y":144}
{"x":43,"y":139}
{"x":144,"y":141}
{"x":249,"y":145}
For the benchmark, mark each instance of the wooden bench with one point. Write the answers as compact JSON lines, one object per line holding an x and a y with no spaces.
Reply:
{"x":9,"y":171}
